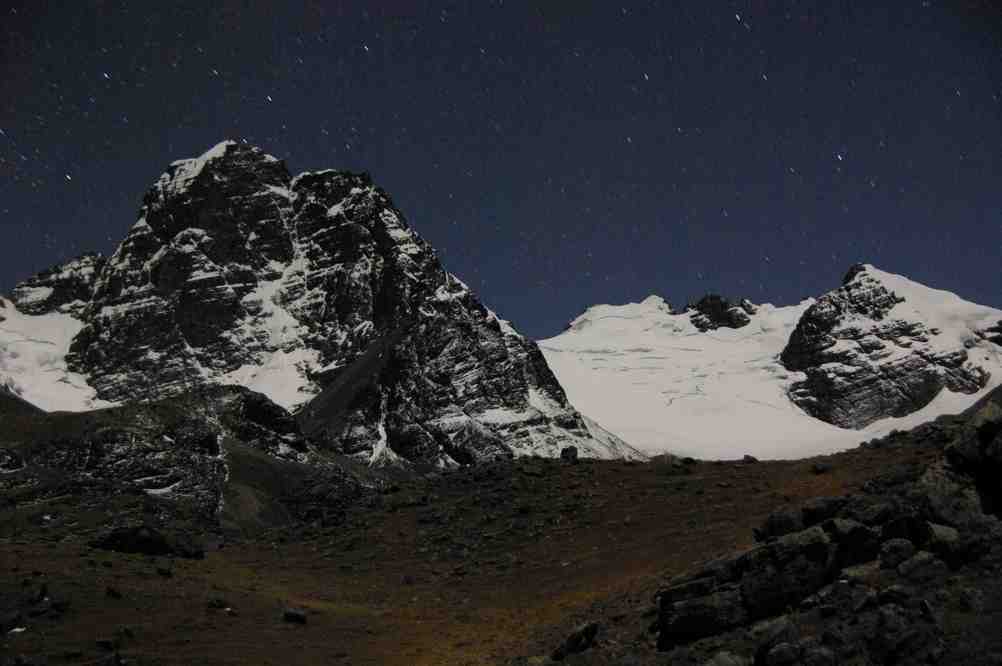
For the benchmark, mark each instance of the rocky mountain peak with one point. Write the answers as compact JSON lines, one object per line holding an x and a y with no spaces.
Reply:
{"x":234,"y":199}
{"x":315,"y":291}
{"x":881,"y":345}
{"x":853,"y":271}
{"x":862,"y":294}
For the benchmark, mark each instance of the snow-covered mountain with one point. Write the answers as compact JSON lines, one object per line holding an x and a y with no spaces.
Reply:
{"x":777,"y":382}
{"x":312,"y":290}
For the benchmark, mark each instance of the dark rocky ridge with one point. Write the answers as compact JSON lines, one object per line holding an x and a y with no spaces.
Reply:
{"x":861,"y":365}
{"x":212,"y":461}
{"x":534,"y":538}
{"x":879,"y":577}
{"x":903,"y":570}
{"x":65,"y":288}
{"x":238,"y":273}
{"x":713,"y":311}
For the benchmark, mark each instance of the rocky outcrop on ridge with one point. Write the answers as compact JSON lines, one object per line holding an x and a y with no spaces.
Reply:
{"x":868,"y":352}
{"x":885,"y":576}
{"x":315,"y":291}
{"x":215,"y":458}
{"x":713,"y":311}
{"x":63,"y":288}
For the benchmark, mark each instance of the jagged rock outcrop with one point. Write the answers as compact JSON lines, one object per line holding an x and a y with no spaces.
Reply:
{"x":218,"y":457}
{"x":12,"y":403}
{"x":316,"y":292}
{"x":900,"y":573}
{"x":63,"y":288}
{"x":713,"y":311}
{"x":874,"y":348}
{"x":993,"y":333}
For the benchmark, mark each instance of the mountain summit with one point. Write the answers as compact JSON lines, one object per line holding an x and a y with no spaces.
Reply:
{"x":314,"y":291}
{"x":310,"y":289}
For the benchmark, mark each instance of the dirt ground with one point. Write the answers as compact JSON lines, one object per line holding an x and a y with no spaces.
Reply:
{"x":474,"y":567}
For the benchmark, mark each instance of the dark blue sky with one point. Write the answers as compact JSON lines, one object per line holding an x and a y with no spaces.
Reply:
{"x":558,"y":157}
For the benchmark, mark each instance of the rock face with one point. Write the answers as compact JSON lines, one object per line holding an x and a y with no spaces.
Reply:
{"x":63,"y":288}
{"x":898,"y":573}
{"x":878,"y":346}
{"x":689,"y":383}
{"x":712,"y":312}
{"x":218,"y":457}
{"x":316,"y":292}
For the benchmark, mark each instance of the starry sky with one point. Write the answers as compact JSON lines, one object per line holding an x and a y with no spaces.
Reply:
{"x":556,"y":154}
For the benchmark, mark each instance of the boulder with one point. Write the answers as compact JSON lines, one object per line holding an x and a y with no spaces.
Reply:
{"x":727,"y":659}
{"x":856,"y":543}
{"x":908,"y":527}
{"x":895,"y":551}
{"x":820,"y":509}
{"x":579,"y":640}
{"x":685,"y":621}
{"x":139,"y":539}
{"x":779,"y":523}
{"x":784,"y":654}
{"x":294,"y":615}
{"x":769,"y":633}
{"x":945,"y":543}
{"x":821,"y":468}
{"x":922,"y":566}
{"x":785,"y":571}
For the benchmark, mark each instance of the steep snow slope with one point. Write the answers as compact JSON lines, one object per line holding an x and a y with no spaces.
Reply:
{"x":651,"y":377}
{"x":33,"y":359}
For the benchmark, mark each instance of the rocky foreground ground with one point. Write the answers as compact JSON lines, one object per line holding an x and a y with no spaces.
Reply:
{"x":889,"y":553}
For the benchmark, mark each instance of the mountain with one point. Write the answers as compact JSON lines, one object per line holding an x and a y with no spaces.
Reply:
{"x":240,"y":403}
{"x":312,"y":290}
{"x":881,"y":345}
{"x":720,"y":380}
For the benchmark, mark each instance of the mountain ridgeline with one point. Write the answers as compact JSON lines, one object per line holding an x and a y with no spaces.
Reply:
{"x":254,"y":396}
{"x":314,"y":291}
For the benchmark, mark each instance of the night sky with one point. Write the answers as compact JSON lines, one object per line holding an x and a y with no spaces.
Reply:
{"x":556,"y":157}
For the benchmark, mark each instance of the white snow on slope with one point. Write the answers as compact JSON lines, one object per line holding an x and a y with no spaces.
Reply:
{"x":944,"y":310}
{"x":653,"y":379}
{"x":281,"y":370}
{"x":33,"y":360}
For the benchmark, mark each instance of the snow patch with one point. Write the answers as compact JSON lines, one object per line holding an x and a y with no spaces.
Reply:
{"x":281,"y":375}
{"x":33,"y":360}
{"x":167,"y":490}
{"x":544,"y":403}
{"x":29,"y":295}
{"x":382,"y":454}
